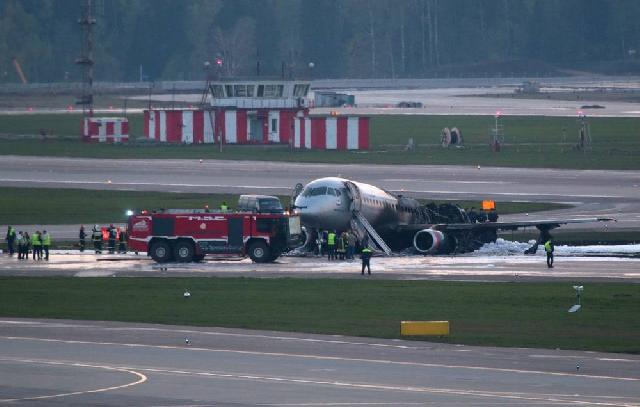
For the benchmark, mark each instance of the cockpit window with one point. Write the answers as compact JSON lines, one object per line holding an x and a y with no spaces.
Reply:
{"x":332,"y":191}
{"x":315,"y":191}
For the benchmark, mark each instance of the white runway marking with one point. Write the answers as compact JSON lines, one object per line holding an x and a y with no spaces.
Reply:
{"x":521,"y":396}
{"x":136,"y":183}
{"x":141,"y":378}
{"x":337,"y":358}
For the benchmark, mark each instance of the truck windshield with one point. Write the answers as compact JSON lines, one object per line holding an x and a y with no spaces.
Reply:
{"x":270,"y":205}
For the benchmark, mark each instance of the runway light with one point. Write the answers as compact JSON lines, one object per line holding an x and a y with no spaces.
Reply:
{"x":186,"y":294}
{"x":186,"y":341}
{"x":201,"y":161}
{"x":129,"y":212}
{"x":478,"y":167}
{"x":108,"y":181}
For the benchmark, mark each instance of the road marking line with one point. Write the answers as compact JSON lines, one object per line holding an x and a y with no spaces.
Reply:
{"x":141,"y":379}
{"x":553,"y":398}
{"x":317,"y":357}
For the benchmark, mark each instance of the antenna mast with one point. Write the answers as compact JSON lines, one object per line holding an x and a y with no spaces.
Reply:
{"x":87,"y":21}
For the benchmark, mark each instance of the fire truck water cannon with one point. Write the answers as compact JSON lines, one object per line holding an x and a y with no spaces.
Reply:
{"x":186,"y":235}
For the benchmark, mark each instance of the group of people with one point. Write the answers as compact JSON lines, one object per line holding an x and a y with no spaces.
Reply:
{"x":342,"y":247}
{"x":21,"y":242}
{"x":337,"y":246}
{"x":109,"y":234}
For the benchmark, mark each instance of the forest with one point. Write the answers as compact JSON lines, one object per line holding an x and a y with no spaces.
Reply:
{"x":172,"y":40}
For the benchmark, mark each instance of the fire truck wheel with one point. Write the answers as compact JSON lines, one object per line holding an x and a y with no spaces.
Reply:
{"x":161,"y":251}
{"x":259,"y":252}
{"x":183,"y":252}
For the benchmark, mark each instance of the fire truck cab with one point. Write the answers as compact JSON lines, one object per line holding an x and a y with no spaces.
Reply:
{"x":190,"y":235}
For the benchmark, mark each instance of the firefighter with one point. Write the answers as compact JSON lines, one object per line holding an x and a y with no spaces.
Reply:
{"x":122,"y":240}
{"x":96,"y":236}
{"x":112,"y":239}
{"x":365,"y":256}
{"x":81,"y":237}
{"x":46,"y":243}
{"x":351,"y":245}
{"x":341,"y":246}
{"x":331,"y":245}
{"x":549,"y":248}
{"x":36,"y":243}
{"x":10,"y":238}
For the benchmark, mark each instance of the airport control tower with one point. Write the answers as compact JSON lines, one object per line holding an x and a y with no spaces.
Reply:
{"x":258,"y":110}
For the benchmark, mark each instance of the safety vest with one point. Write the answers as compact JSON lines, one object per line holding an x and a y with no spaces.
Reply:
{"x":367,"y":250}
{"x":224,"y":207}
{"x":35,"y":239}
{"x":12,"y":232}
{"x":46,"y":240}
{"x":331,"y":239}
{"x":547,"y":246}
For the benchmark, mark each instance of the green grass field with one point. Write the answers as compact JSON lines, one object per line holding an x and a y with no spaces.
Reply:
{"x":76,"y":206}
{"x":530,"y":142}
{"x":500,"y":314}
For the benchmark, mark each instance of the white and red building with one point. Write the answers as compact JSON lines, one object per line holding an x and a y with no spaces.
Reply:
{"x":258,"y":112}
{"x":105,"y":129}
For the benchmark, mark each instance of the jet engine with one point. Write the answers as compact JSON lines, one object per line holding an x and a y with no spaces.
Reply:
{"x":429,"y":241}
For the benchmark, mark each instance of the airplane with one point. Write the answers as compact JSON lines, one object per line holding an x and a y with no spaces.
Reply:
{"x":396,"y":222}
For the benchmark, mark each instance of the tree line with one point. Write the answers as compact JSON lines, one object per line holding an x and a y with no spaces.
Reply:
{"x":172,"y":40}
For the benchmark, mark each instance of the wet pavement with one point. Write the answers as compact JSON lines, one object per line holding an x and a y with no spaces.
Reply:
{"x":415,"y":267}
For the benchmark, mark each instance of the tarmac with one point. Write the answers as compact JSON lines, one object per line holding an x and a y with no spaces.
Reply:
{"x":415,"y":267}
{"x":75,"y":363}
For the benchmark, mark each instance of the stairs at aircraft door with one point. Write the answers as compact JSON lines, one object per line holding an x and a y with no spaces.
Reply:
{"x":372,"y":232}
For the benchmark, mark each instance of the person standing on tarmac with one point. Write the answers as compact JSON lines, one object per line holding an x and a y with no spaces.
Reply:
{"x":365,"y":256}
{"x":122,"y":240}
{"x":25,"y":244}
{"x":36,"y":243}
{"x":341,"y":246}
{"x":549,"y":248}
{"x":96,"y":236}
{"x":351,"y":247}
{"x":224,"y":206}
{"x":331,"y":245}
{"x":20,"y":240}
{"x":81,"y":237}
{"x":46,"y":243}
{"x":11,"y":239}
{"x":112,"y":239}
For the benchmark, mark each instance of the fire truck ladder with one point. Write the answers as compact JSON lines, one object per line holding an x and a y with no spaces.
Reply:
{"x":372,"y":232}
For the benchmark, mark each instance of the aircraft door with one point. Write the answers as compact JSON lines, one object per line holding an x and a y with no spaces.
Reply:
{"x":354,"y":195}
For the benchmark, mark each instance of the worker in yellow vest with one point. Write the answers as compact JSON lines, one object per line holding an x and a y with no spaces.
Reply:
{"x":36,"y":243}
{"x":331,"y":245}
{"x":548,"y":247}
{"x":46,"y":243}
{"x":365,"y":256}
{"x":224,"y":207}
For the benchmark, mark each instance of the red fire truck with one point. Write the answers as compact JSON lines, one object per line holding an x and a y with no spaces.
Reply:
{"x":186,"y":235}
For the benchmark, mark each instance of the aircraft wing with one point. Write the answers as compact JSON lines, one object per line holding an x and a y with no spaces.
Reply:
{"x":547,"y":224}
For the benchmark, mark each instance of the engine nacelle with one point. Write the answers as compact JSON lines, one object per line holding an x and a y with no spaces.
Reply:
{"x":429,"y":241}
